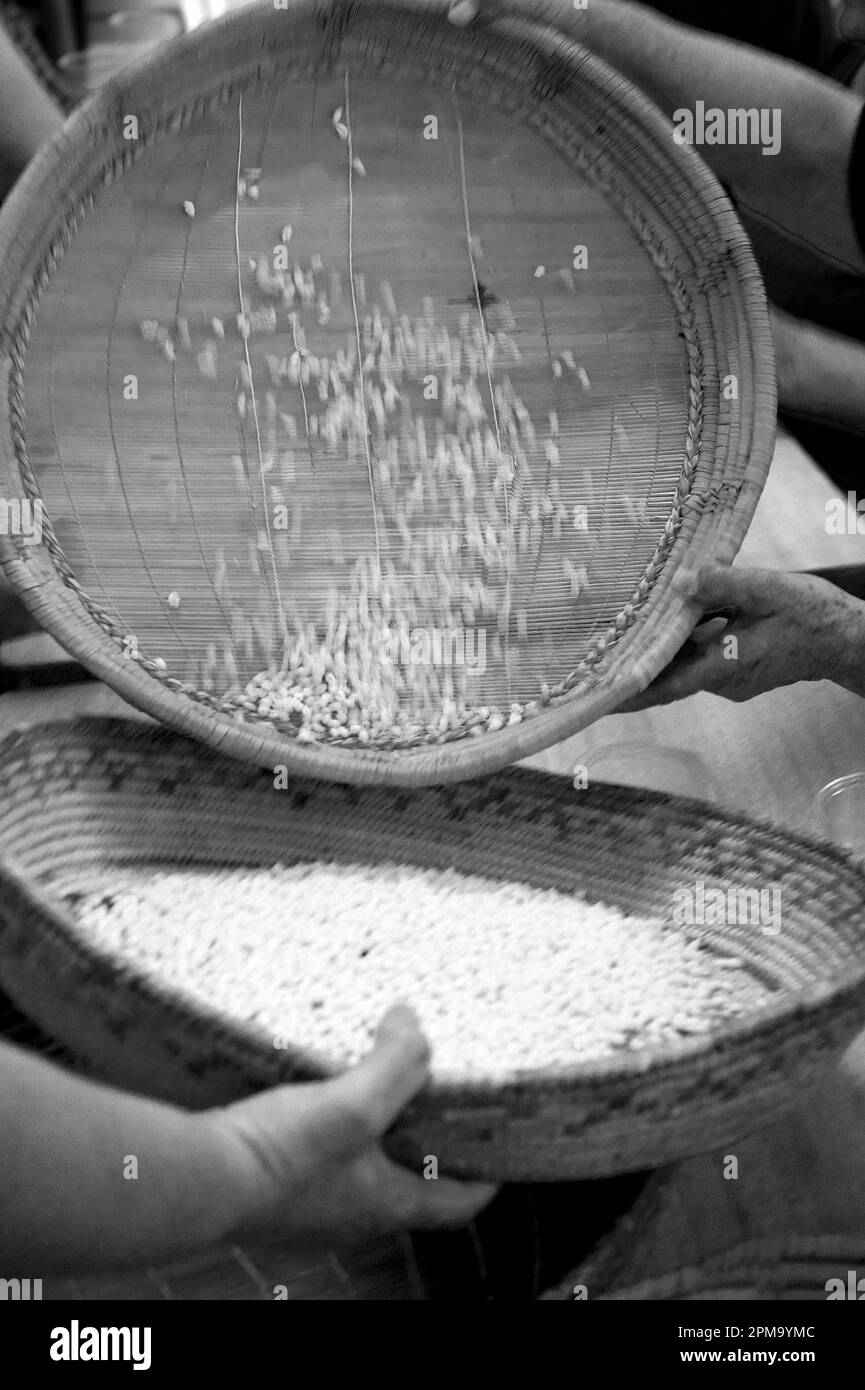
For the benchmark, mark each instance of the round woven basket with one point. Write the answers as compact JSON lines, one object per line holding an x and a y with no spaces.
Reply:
{"x":796,"y":1268}
{"x":196,"y":532}
{"x":82,"y":800}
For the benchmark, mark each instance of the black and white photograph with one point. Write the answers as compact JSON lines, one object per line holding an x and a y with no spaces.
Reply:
{"x":432,"y":669}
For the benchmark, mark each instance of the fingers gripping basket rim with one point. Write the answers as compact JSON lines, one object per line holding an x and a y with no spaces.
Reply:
{"x":672,"y":203}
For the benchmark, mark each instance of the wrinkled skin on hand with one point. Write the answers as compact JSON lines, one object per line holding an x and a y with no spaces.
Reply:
{"x":788,"y":628}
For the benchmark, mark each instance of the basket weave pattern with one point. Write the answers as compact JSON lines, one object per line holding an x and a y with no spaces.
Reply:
{"x":795,"y":1268}
{"x":81,"y":798}
{"x":611,"y":137}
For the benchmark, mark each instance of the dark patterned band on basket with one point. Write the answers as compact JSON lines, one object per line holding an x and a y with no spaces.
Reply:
{"x":151,"y":799}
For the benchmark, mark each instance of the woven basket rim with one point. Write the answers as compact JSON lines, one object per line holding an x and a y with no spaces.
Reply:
{"x":769,"y":1262}
{"x":665,"y":621}
{"x":132,"y":738}
{"x":766,"y":1263}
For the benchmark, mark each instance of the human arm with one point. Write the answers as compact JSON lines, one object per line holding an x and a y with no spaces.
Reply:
{"x":804,"y":188}
{"x":301,"y":1162}
{"x":821,"y":374}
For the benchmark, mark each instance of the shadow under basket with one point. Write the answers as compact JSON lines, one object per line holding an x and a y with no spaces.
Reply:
{"x":79,"y":800}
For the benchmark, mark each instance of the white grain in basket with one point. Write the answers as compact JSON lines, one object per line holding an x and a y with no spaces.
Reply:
{"x":505,"y":977}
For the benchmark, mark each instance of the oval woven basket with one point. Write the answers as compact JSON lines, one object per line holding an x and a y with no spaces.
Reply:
{"x":325,"y":327}
{"x":792,"y":1269}
{"x":82,"y":800}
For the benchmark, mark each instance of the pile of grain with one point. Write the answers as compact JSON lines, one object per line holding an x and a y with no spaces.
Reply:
{"x":505,"y":977}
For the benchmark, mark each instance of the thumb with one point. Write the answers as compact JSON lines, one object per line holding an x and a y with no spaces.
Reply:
{"x":391,"y":1074}
{"x":720,"y":586}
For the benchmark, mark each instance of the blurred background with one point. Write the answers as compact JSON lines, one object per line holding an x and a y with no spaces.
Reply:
{"x":90,"y":40}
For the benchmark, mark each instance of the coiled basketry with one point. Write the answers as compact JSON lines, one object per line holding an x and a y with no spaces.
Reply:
{"x":333,"y":327}
{"x":81,"y":799}
{"x":795,"y":1268}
